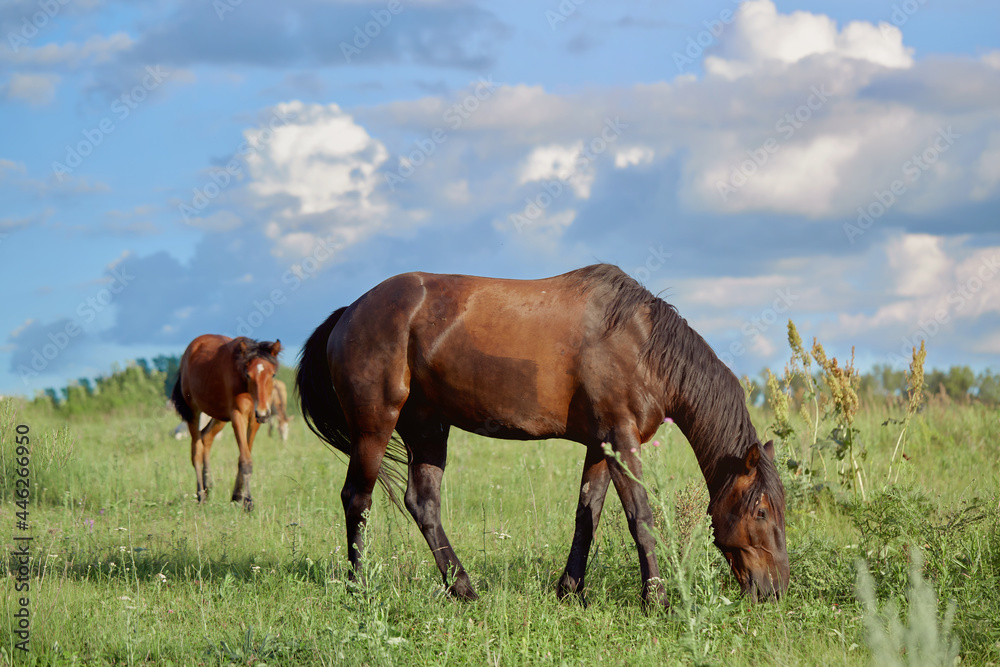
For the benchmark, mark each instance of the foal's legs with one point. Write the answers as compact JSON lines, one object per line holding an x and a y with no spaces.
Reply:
{"x":593,"y":489}
{"x":428,"y":446}
{"x":637,"y":512}
{"x":208,"y":434}
{"x":198,"y":456}
{"x":245,"y":427}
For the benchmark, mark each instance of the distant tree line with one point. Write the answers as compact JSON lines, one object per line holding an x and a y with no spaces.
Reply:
{"x":140,"y":384}
{"x":958,"y":383}
{"x":150,"y":383}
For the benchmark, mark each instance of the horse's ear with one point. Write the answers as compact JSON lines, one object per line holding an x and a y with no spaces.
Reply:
{"x":275,"y":348}
{"x":753,"y":457}
{"x":241,"y":345}
{"x":769,"y":449}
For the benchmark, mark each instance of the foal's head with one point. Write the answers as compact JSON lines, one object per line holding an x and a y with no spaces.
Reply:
{"x":258,"y":362}
{"x":748,"y":515}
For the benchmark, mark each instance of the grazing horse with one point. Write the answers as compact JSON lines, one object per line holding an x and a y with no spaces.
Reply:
{"x":589,"y":356}
{"x":227,"y":379}
{"x":279,"y":410}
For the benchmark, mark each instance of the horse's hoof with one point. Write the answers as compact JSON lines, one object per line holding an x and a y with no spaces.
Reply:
{"x":248,"y":504}
{"x":567,"y":586}
{"x":463,"y":591}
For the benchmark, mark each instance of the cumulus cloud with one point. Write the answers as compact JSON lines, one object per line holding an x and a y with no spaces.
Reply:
{"x":762,"y":38}
{"x":317,"y":173}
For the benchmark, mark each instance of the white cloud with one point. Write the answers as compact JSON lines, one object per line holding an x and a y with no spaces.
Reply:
{"x":563,"y":163}
{"x":34,"y":89}
{"x":322,"y":159}
{"x":760,"y":37}
{"x":318,"y":173}
{"x":96,"y":50}
{"x":633,"y":155}
{"x":919,"y":264}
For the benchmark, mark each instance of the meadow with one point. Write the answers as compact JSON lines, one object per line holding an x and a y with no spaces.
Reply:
{"x":127,"y":569}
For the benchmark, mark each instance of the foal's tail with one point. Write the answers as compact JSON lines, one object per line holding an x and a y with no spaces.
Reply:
{"x":181,"y":405}
{"x":323,"y":414}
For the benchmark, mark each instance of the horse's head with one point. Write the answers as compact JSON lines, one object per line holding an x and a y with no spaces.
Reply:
{"x":262,"y":363}
{"x":748,"y":515}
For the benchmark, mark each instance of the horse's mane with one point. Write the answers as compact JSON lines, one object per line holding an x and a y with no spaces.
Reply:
{"x":254,"y":350}
{"x":710,"y":405}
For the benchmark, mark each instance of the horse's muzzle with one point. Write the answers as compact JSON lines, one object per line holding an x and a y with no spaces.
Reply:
{"x":261,"y":416}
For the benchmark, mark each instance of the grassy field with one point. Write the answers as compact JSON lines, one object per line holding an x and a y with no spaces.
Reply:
{"x":127,"y":569}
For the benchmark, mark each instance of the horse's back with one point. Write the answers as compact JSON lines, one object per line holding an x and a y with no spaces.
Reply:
{"x":205,"y":375}
{"x":515,"y":355}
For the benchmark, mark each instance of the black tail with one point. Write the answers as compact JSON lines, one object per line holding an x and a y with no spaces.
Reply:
{"x":324,"y":416}
{"x":182,"y":407}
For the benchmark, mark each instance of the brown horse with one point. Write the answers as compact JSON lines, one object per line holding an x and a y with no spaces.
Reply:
{"x":279,"y":410}
{"x":228,"y":380}
{"x":590,"y":356}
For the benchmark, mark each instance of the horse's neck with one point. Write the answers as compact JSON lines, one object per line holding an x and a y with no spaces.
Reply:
{"x":713,"y":421}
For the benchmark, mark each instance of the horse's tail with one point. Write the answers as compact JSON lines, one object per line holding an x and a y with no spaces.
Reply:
{"x":181,"y":405}
{"x":323,"y":414}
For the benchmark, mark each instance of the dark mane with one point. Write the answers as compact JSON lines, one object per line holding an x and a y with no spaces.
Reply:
{"x":705,"y":397}
{"x":254,"y":350}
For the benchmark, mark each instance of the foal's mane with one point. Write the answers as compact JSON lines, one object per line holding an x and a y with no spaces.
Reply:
{"x":709,"y":402}
{"x":254,"y":350}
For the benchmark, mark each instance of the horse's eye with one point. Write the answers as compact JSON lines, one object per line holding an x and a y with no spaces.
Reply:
{"x":762,"y":514}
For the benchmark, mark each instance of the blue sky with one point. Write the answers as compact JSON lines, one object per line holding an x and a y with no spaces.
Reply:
{"x":176,"y":168}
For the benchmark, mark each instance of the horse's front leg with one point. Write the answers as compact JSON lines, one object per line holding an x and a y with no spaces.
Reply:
{"x":593,"y":489}
{"x":637,"y":512}
{"x":244,"y":428}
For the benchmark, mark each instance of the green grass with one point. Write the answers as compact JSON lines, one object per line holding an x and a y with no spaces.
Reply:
{"x":127,"y":569}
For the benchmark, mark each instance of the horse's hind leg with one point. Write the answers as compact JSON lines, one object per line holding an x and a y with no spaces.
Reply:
{"x":593,"y":489}
{"x":368,"y":448}
{"x":198,"y":456}
{"x":212,"y":429}
{"x":428,"y":446}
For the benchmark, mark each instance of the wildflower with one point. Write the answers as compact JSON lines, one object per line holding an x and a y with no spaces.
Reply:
{"x":255,"y":568}
{"x":668,"y":420}
{"x":123,"y":530}
{"x":162,"y":577}
{"x":123,"y":549}
{"x":124,"y":597}
{"x":112,"y":565}
{"x":656,"y":443}
{"x":633,"y":450}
